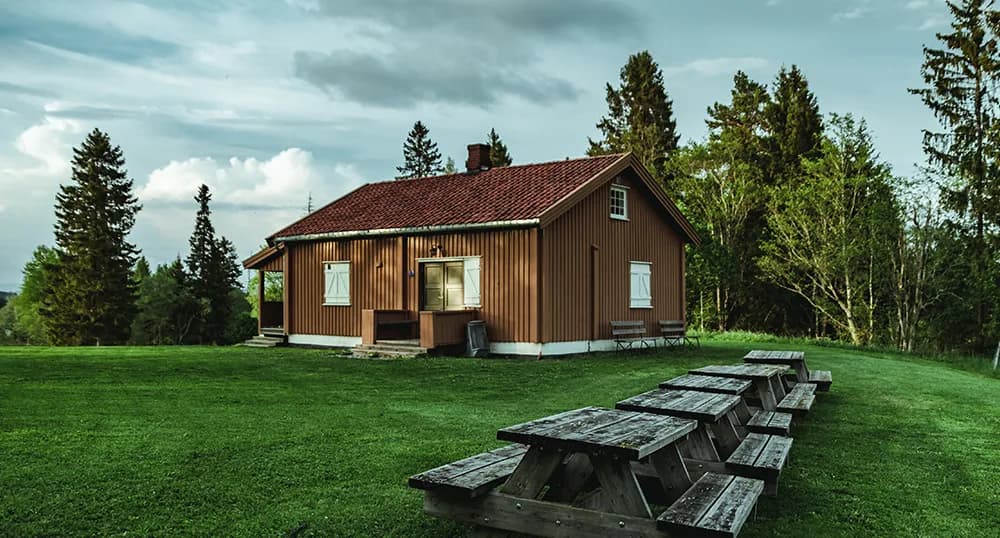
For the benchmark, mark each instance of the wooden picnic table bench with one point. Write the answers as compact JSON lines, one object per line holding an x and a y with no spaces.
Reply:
{"x":576,"y":478}
{"x":795,"y":360}
{"x":628,"y":333}
{"x":765,"y":377}
{"x":711,"y":410}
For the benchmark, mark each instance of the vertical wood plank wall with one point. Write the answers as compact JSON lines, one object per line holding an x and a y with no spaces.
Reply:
{"x":566,"y":251}
{"x":508,"y":291}
{"x":372,"y":286}
{"x":509,"y":287}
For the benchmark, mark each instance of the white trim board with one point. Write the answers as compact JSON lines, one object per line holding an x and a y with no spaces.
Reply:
{"x":551,"y":348}
{"x":323,"y":340}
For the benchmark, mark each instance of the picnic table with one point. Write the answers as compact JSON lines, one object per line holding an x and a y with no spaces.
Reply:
{"x":765,"y":377}
{"x":585,"y":457}
{"x":793,"y":359}
{"x":712,"y":411}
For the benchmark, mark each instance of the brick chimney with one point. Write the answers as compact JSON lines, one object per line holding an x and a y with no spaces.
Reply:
{"x":479,"y":158}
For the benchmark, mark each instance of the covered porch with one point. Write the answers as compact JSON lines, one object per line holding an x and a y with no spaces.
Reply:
{"x":271,"y":291}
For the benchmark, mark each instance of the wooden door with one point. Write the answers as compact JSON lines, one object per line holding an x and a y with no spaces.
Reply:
{"x":454,"y":290}
{"x":443,"y":286}
{"x":432,"y":292}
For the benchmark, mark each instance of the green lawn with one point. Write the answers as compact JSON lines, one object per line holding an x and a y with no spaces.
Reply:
{"x":234,"y":441}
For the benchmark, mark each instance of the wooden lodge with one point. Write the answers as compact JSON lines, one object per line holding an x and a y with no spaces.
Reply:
{"x":547,"y":255}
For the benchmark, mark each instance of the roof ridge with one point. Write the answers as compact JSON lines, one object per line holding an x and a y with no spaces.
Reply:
{"x":554,"y":161}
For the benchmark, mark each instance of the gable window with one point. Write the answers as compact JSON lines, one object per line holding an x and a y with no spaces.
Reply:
{"x":640,"y":295}
{"x":337,"y":283}
{"x":619,"y":202}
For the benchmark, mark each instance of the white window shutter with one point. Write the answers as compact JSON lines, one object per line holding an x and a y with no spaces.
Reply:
{"x":337,"y":283}
{"x":471,"y":283}
{"x":639,"y":285}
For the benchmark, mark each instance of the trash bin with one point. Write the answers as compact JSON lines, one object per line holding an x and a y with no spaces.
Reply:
{"x":476,"y":342}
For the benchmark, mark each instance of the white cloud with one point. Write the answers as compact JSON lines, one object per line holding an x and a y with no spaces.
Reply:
{"x":917,"y":4}
{"x":47,"y":143}
{"x":852,"y":14}
{"x":223,"y":55}
{"x":711,"y":67}
{"x":284,"y":180}
{"x":932,"y":22}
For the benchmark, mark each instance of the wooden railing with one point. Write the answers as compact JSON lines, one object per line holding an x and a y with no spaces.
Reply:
{"x":387,"y":325}
{"x":438,"y":329}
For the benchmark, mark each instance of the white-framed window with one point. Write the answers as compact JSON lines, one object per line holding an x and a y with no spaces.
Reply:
{"x":337,"y":283}
{"x":470,"y":285}
{"x":619,"y":202}
{"x":640,"y":292}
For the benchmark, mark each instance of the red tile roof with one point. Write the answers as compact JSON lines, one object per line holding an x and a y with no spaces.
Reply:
{"x":509,"y":193}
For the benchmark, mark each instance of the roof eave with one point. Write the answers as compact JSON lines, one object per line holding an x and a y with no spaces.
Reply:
{"x":440,"y":228}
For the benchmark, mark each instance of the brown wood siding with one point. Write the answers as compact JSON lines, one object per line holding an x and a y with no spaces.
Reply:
{"x":274,"y":264}
{"x":372,"y":286}
{"x":508,"y":292}
{"x":566,"y":250}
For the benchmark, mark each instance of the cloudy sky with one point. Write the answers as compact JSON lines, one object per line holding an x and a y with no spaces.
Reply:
{"x":267,"y":102}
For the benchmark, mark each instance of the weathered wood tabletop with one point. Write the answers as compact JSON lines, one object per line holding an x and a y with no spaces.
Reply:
{"x":796,"y":360}
{"x":765,"y":377}
{"x":600,"y":431}
{"x":712,"y":411}
{"x":704,"y":383}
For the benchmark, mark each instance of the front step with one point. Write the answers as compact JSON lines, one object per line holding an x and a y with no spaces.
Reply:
{"x":264,"y":341}
{"x":390,"y":350}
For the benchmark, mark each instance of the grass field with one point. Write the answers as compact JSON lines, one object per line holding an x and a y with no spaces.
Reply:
{"x":247,"y":442}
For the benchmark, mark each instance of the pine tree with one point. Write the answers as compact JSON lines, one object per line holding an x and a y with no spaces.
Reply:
{"x":640,"y":116}
{"x":212,"y":272}
{"x":449,"y":166}
{"x":421,"y":157}
{"x":92,"y":299}
{"x":795,"y":124}
{"x":499,"y":156}
{"x":961,"y":91}
{"x":224,"y":270}
{"x":200,"y":244}
{"x":141,"y":271}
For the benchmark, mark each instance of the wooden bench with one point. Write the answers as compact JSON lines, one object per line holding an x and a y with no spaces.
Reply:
{"x":770,"y":422}
{"x":761,"y":456}
{"x":628,"y":333}
{"x":822,"y":379}
{"x":715,"y":505}
{"x":473,"y":476}
{"x":674,"y":333}
{"x":799,"y":401}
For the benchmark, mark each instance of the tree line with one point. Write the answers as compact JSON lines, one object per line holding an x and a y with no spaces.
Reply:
{"x":807,"y":230}
{"x":94,"y":288}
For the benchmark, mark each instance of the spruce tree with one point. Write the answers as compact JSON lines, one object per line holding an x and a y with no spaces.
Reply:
{"x":795,"y":124}
{"x":640,"y":116}
{"x":225,"y":271}
{"x":499,"y":156}
{"x":200,"y":246}
{"x":421,"y":157}
{"x":212,"y":272}
{"x":92,"y":299}
{"x":961,"y":91}
{"x":449,"y":166}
